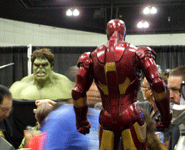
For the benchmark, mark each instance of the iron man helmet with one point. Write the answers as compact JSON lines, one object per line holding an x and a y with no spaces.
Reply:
{"x":116,"y":24}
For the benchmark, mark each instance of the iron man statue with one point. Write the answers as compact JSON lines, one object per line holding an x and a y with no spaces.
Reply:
{"x":117,"y":70}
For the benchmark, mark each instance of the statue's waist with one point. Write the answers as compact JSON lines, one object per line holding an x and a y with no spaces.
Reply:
{"x":121,"y":120}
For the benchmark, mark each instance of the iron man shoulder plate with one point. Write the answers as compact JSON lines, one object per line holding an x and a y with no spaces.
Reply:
{"x":85,"y":60}
{"x":143,"y":52}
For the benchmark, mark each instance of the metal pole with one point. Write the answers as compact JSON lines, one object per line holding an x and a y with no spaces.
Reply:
{"x":117,"y":9}
{"x":112,"y":2}
{"x":29,"y":52}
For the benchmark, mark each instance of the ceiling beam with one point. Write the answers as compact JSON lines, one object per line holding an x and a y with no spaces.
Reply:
{"x":112,"y":4}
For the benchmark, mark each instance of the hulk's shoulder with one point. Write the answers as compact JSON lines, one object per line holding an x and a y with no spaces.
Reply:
{"x":22,"y":83}
{"x":61,"y":78}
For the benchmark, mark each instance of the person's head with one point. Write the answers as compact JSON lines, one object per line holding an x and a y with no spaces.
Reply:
{"x":5,"y":102}
{"x":159,"y":69}
{"x":93,"y":95}
{"x":42,"y":61}
{"x":98,"y":105}
{"x":148,"y":94}
{"x":116,"y":25}
{"x":44,"y":107}
{"x":174,"y":83}
{"x":71,"y":73}
{"x":167,"y":72}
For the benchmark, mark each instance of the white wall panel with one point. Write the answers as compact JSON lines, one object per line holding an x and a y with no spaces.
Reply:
{"x":37,"y":40}
{"x":2,"y":34}
{"x":9,"y":37}
{"x":19,"y":27}
{"x":9,"y":25}
{"x":19,"y":38}
{"x":28,"y":39}
{"x":22,"y":33}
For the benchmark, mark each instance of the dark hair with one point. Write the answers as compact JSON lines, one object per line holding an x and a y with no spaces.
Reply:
{"x":4,"y":91}
{"x":179,"y":71}
{"x":57,"y":105}
{"x":43,"y":53}
{"x":42,"y":111}
{"x":152,"y":142}
{"x":71,"y":73}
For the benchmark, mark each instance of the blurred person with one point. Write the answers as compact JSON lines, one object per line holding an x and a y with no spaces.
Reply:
{"x":58,"y":130}
{"x":152,"y":141}
{"x":165,"y":75}
{"x":98,"y":105}
{"x":150,"y":107}
{"x":44,"y":107}
{"x":159,"y":69}
{"x":167,"y":72}
{"x":117,"y":70}
{"x":61,"y":133}
{"x":71,"y":73}
{"x":5,"y":102}
{"x":175,"y":79}
{"x":5,"y":110}
{"x":44,"y":83}
{"x":179,"y":121}
{"x":176,"y":76}
{"x":149,"y":98}
{"x":35,"y":139}
{"x":92,"y":94}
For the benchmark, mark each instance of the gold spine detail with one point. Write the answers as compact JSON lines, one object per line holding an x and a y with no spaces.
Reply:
{"x":104,"y":88}
{"x":123,"y":87}
{"x":110,"y":66}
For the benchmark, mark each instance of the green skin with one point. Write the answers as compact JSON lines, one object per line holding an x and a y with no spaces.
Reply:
{"x":44,"y":83}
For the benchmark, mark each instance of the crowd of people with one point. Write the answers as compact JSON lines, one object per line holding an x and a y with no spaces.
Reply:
{"x":96,"y":106}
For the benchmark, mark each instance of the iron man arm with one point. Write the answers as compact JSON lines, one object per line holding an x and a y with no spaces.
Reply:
{"x":160,"y":90}
{"x":84,"y":81}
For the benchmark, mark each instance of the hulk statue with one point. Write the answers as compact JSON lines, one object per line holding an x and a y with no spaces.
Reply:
{"x":44,"y":83}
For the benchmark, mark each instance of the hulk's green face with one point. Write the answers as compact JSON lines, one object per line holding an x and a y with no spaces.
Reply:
{"x":41,"y":69}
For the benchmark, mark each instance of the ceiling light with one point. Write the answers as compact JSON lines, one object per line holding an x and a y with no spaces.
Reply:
{"x":143,"y":24}
{"x":146,"y":10}
{"x":149,"y":10}
{"x":76,"y":12}
{"x":153,"y":10}
{"x":69,"y":12}
{"x":139,"y":25}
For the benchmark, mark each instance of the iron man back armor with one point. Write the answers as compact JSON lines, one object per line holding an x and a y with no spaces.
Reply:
{"x":118,"y":81}
{"x":117,"y":70}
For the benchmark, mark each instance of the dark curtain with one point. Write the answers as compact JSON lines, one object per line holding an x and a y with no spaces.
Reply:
{"x":65,"y":57}
{"x":166,"y":56}
{"x":169,"y":56}
{"x":16,"y":55}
